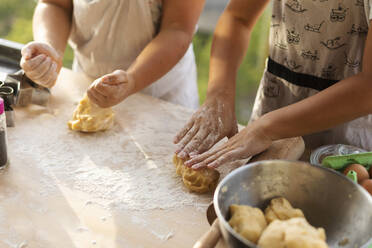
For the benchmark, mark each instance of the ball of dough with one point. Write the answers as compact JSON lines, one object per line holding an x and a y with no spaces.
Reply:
{"x":199,"y":181}
{"x":281,"y":209}
{"x":88,"y":117}
{"x":249,"y":222}
{"x":292,"y":233}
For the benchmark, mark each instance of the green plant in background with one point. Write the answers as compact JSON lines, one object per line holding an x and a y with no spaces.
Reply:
{"x":250,"y":71}
{"x":16,"y":25}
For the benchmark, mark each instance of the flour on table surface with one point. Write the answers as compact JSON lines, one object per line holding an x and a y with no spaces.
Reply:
{"x":127,"y":167}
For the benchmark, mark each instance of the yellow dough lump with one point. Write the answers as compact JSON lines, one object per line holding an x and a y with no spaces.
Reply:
{"x":88,"y":117}
{"x":292,"y":233}
{"x":249,"y":222}
{"x":200,"y":181}
{"x":281,"y":209}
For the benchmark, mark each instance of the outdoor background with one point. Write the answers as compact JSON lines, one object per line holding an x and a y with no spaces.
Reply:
{"x":16,"y":25}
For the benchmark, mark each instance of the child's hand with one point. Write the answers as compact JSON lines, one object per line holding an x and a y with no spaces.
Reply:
{"x":211,"y":123}
{"x":248,"y":142}
{"x":111,"y":89}
{"x":41,"y":63}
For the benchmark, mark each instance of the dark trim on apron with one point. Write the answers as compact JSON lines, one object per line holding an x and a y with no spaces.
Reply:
{"x":299,"y":79}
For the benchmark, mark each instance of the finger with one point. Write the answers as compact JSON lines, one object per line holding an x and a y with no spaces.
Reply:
{"x":183,"y":132}
{"x":117,"y":77}
{"x":208,"y":142}
{"x":41,"y":70}
{"x":204,"y":156}
{"x":186,"y":139}
{"x":213,"y":155}
{"x":44,"y":48}
{"x":53,"y":79}
{"x":36,"y":48}
{"x":226,"y":158}
{"x":92,"y":98}
{"x":196,"y":141}
{"x":105,"y":89}
{"x":28,"y":51}
{"x":31,"y":64}
{"x":96,"y":98}
{"x":49,"y":77}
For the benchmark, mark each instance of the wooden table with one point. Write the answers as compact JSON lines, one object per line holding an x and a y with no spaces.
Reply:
{"x":42,"y":205}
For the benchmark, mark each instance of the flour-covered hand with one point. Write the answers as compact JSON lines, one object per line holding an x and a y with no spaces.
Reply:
{"x":41,"y":63}
{"x":212,"y":122}
{"x":111,"y":89}
{"x":248,"y":142}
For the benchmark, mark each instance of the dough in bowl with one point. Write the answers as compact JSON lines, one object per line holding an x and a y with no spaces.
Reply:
{"x":281,"y":209}
{"x":249,"y":222}
{"x":88,"y":117}
{"x":200,"y":181}
{"x":292,"y":233}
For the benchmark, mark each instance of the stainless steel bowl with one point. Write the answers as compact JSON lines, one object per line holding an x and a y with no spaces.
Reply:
{"x":327,"y":198}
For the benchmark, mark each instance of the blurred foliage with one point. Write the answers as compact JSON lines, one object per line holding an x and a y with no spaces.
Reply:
{"x":16,"y":25}
{"x":250,"y":71}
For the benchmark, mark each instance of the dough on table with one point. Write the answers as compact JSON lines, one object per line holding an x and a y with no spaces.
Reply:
{"x":88,"y":117}
{"x":200,"y":181}
{"x":249,"y":222}
{"x":281,"y":209}
{"x":292,"y":233}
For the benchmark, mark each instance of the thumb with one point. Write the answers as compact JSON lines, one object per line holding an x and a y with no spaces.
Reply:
{"x":33,"y":49}
{"x":28,"y":51}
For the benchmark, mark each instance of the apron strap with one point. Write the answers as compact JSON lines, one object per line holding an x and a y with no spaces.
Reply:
{"x":299,"y":79}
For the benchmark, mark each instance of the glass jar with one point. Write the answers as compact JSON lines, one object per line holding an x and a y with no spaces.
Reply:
{"x":3,"y":139}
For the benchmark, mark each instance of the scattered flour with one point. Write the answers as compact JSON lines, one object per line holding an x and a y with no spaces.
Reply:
{"x":127,"y":167}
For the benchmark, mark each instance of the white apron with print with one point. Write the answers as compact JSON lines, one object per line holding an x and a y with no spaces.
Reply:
{"x":108,"y":35}
{"x":313,"y":43}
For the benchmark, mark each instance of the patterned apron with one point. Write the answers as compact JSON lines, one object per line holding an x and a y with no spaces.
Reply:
{"x":314,"y":44}
{"x":109,"y":34}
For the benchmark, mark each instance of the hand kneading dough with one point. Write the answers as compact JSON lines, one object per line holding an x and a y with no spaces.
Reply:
{"x":292,"y":233}
{"x":200,"y":181}
{"x":281,"y":209}
{"x":249,"y":222}
{"x":88,"y":117}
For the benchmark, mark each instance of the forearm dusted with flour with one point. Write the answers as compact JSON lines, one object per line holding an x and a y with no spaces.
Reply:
{"x":216,"y":118}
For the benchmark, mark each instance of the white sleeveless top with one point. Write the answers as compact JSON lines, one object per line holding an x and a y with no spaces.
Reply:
{"x":109,"y":34}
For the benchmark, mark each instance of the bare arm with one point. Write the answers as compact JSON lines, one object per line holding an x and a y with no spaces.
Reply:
{"x":216,"y":118}
{"x":42,"y":58}
{"x":169,"y":46}
{"x":230,"y":43}
{"x":157,"y":58}
{"x":52,"y":23}
{"x":348,"y":99}
{"x":342,"y":102}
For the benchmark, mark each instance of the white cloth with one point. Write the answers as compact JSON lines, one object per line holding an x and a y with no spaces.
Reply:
{"x":108,"y":35}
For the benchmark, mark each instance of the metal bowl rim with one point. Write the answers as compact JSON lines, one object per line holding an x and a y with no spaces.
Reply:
{"x":244,"y":167}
